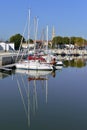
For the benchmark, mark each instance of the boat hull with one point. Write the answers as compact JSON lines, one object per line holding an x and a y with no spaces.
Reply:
{"x":33,"y":66}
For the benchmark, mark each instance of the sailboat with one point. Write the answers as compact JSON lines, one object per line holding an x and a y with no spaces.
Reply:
{"x":33,"y":64}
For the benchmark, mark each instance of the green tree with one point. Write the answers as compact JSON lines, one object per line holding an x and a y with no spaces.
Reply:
{"x":54,"y":42}
{"x":79,"y":41}
{"x":73,"y":40}
{"x":57,"y":41}
{"x":17,"y":39}
{"x":30,"y":41}
{"x":66,"y":40}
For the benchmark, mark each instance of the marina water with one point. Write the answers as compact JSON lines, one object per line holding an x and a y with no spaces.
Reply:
{"x":57,"y":101}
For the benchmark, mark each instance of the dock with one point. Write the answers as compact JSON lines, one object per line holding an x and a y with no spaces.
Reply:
{"x":7,"y":68}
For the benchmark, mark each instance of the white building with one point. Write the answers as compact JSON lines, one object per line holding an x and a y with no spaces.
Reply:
{"x":6,"y":46}
{"x":70,"y":46}
{"x":25,"y":45}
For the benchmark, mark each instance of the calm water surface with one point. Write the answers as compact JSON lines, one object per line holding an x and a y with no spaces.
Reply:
{"x":50,"y":103}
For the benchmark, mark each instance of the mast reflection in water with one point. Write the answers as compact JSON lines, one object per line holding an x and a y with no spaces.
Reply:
{"x":30,"y":88}
{"x":50,"y":101}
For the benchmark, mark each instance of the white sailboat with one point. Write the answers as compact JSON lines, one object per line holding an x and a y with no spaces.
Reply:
{"x":33,"y":64}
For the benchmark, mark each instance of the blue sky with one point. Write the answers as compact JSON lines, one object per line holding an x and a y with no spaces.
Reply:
{"x":69,"y":17}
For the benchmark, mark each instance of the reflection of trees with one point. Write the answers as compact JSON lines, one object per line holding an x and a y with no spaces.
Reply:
{"x":75,"y":63}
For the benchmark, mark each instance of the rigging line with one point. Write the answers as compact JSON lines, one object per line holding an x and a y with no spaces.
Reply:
{"x":21,"y":41}
{"x":24,"y":52}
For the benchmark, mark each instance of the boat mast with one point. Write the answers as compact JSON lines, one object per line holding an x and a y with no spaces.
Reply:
{"x":35,"y":32}
{"x":47,"y":40}
{"x":28,"y":29}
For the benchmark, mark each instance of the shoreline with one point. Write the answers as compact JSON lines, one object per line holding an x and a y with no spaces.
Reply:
{"x":9,"y":57}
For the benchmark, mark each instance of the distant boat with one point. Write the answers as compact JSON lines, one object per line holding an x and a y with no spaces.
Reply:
{"x":59,"y":65}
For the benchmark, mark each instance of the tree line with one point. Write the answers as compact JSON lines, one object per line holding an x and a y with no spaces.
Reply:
{"x":56,"y":41}
{"x":17,"y":39}
{"x":76,"y":41}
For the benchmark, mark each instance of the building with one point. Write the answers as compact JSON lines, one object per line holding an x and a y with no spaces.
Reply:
{"x":6,"y":46}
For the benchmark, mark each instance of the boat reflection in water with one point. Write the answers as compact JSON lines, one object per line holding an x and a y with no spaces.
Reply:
{"x":34,"y":73}
{"x":35,"y":79}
